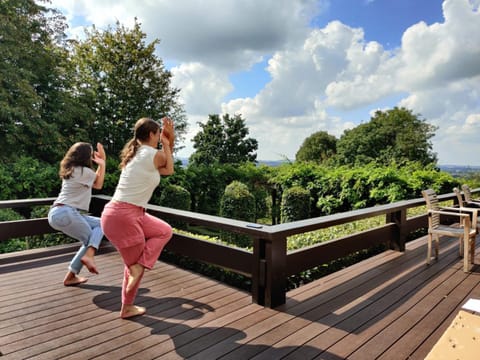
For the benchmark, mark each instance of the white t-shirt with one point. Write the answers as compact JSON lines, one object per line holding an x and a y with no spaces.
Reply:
{"x":77,"y":190}
{"x":139,"y":178}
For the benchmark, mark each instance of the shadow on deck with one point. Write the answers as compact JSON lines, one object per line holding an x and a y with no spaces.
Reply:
{"x":391,"y":306}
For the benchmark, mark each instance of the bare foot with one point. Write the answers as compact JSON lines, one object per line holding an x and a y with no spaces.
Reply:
{"x":136,"y":271}
{"x":72,"y":279}
{"x":129,"y":311}
{"x":89,"y":263}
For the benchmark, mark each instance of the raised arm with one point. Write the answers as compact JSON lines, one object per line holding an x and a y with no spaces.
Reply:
{"x":164,"y":157}
{"x":99,"y":158}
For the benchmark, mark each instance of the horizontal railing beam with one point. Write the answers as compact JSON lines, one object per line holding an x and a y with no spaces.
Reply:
{"x":325,"y":252}
{"x":21,"y":228}
{"x":227,"y":257}
{"x":11,"y":204}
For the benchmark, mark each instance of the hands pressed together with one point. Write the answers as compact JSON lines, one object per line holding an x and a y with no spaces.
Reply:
{"x":168,"y":133}
{"x":99,"y":156}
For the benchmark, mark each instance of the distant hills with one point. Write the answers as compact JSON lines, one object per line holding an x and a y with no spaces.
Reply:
{"x":459,"y":170}
{"x":265,"y":162}
{"x":456,"y":170}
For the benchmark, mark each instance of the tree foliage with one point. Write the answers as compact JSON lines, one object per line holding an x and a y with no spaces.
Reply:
{"x":395,"y":135}
{"x":35,"y":108}
{"x":223,"y":140}
{"x":54,"y":91}
{"x":318,"y":147}
{"x":121,"y":79}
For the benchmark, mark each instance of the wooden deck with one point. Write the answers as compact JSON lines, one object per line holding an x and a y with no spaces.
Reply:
{"x":391,"y":306}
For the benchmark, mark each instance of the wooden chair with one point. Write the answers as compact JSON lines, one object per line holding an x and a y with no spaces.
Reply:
{"x":460,"y":199}
{"x":465,"y":233}
{"x":465,"y":206}
{"x":469,"y":201}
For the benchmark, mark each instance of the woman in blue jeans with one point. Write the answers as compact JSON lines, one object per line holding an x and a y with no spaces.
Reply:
{"x":78,"y":179}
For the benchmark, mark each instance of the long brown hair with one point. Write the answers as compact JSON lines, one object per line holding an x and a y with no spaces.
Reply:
{"x":79,"y":154}
{"x":143,"y":128}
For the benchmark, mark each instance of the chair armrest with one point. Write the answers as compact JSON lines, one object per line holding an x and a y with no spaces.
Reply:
{"x":474,"y":212}
{"x":450,"y":208}
{"x":471,"y":210}
{"x":462,"y":208}
{"x":450,"y":213}
{"x":469,"y":223}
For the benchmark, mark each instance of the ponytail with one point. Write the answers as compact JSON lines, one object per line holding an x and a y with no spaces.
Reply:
{"x":128,"y":152}
{"x":142,"y":129}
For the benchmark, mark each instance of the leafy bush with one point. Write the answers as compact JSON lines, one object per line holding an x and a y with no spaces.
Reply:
{"x":237,"y":203}
{"x":295,"y":204}
{"x":345,"y":188}
{"x":27,"y":177}
{"x":177,"y":197}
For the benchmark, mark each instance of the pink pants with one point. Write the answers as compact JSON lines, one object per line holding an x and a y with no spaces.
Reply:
{"x":138,"y":236}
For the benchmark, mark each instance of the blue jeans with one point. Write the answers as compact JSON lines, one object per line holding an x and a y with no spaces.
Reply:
{"x":84,"y":228}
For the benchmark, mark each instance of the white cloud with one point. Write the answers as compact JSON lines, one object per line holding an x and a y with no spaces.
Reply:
{"x":437,"y":54}
{"x":226,"y":34}
{"x":320,"y":76}
{"x":202,"y":88}
{"x":455,"y":110}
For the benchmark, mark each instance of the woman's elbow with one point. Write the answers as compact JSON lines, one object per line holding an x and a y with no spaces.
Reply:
{"x":97,"y":186}
{"x":166,"y":171}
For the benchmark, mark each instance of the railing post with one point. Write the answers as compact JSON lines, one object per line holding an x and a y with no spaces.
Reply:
{"x":96,"y":206}
{"x":258,"y":271}
{"x":400,"y":237}
{"x":269,"y":273}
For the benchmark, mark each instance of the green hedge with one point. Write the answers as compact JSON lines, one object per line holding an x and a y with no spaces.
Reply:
{"x":176,"y":197}
{"x":295,"y":204}
{"x":237,"y":203}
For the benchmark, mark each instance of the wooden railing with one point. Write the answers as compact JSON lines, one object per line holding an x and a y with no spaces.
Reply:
{"x":269,"y":264}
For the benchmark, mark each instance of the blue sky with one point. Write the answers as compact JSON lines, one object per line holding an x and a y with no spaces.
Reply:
{"x":382,"y":20}
{"x":294,"y":67}
{"x":248,"y":83}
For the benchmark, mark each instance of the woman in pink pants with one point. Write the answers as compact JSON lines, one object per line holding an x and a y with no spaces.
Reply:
{"x":138,"y":236}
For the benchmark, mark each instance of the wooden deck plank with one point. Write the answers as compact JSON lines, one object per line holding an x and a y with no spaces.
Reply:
{"x":357,"y":329}
{"x":51,"y":324}
{"x":182,"y":331}
{"x":321,"y":318}
{"x":112,"y":330}
{"x":422,"y":351}
{"x":64,"y":305}
{"x":356,"y":325}
{"x":79,"y":327}
{"x":389,"y":304}
{"x":407,"y":344}
{"x":315,"y":328}
{"x":131,"y":345}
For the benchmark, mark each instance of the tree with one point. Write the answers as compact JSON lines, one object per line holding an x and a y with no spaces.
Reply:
{"x":35,"y":107}
{"x":318,"y":147}
{"x":395,"y":135}
{"x":224,"y":141}
{"x":121,"y":79}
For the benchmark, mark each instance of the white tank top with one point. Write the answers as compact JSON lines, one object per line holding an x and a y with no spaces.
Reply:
{"x":139,"y":178}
